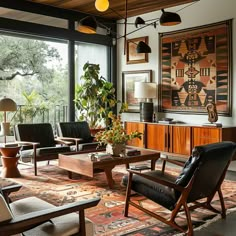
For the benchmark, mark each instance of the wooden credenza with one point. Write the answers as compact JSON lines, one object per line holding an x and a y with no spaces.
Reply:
{"x":178,"y":139}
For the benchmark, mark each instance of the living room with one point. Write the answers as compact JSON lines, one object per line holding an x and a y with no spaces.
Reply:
{"x":196,"y":14}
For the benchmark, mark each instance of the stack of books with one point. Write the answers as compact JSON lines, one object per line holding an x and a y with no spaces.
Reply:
{"x":132,"y":152}
{"x":102,"y":156}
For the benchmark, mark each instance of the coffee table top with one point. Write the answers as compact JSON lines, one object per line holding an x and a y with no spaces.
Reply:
{"x":81,"y":163}
{"x":84,"y":157}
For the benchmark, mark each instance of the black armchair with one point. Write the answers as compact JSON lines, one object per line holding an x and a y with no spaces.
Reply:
{"x":79,"y":134}
{"x":33,"y":216}
{"x":200,"y":179}
{"x":38,"y":142}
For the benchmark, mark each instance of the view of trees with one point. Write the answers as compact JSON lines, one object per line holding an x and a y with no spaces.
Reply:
{"x":33,"y":75}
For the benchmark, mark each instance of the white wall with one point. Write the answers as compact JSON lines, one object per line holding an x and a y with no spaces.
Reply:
{"x":200,"y":13}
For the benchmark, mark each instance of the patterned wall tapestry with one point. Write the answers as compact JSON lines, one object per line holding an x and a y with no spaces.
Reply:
{"x":196,"y":69}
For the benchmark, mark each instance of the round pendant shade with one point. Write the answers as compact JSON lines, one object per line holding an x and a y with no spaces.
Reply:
{"x":102,"y":5}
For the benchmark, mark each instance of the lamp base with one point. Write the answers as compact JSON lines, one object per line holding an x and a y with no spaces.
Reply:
{"x":146,"y":111}
{"x":5,"y":128}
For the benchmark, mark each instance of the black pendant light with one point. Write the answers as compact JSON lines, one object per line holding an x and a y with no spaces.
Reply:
{"x":139,"y":21}
{"x":87,"y":25}
{"x":169,"y":18}
{"x":143,"y":48}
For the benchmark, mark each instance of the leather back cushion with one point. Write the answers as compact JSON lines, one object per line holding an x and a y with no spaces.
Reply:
{"x":209,"y":162}
{"x":78,"y":129}
{"x":41,"y":133}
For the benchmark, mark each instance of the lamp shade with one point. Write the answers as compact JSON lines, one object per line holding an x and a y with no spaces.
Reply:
{"x":169,"y":18}
{"x":145,"y":90}
{"x":7,"y":104}
{"x":102,"y":5}
{"x":139,"y":21}
{"x":87,"y":25}
{"x":143,"y":48}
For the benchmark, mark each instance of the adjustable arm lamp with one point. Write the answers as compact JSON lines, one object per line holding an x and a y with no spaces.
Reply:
{"x":6,"y":104}
{"x":147,"y":91}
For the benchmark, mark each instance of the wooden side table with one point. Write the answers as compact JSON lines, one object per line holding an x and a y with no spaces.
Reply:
{"x":10,"y":162}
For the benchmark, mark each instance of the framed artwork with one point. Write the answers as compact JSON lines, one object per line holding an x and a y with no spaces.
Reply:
{"x":196,"y":68}
{"x":128,"y":80}
{"x":132,"y":57}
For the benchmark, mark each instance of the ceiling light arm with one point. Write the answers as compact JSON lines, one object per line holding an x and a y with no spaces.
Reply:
{"x":126,"y":16}
{"x":123,"y":36}
{"x":117,"y":13}
{"x":187,"y":5}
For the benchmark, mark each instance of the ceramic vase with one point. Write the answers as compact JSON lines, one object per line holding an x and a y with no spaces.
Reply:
{"x":116,"y":149}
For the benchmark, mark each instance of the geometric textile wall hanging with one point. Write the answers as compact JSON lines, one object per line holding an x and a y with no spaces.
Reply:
{"x":196,"y":68}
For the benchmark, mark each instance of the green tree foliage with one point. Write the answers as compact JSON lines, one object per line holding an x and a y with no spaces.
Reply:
{"x":33,"y":106}
{"x":32,"y":74}
{"x":25,"y":57}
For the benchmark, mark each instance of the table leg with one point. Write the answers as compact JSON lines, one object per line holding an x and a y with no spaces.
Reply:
{"x":153,"y":163}
{"x":70,"y":174}
{"x":110,"y":181}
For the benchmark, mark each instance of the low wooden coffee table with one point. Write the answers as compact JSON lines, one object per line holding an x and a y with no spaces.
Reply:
{"x":82,"y":164}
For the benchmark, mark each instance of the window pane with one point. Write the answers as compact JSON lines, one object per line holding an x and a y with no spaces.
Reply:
{"x":92,"y":53}
{"x":35,"y":75}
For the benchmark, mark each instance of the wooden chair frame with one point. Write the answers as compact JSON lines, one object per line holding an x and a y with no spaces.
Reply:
{"x":182,"y":204}
{"x":19,"y":224}
{"x":35,"y":158}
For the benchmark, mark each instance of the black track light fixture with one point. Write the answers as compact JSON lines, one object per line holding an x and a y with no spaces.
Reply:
{"x":169,"y":18}
{"x":143,"y":48}
{"x":139,"y":21}
{"x":87,"y":25}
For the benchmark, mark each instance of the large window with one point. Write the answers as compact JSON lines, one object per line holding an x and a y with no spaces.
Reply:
{"x":34,"y":73}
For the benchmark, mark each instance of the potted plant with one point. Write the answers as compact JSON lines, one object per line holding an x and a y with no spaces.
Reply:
{"x":94,"y":97}
{"x":115,"y":137}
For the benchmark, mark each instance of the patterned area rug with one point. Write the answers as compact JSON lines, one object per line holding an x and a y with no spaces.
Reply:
{"x":52,"y":184}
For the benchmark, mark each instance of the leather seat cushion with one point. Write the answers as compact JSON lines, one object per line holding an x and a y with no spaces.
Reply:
{"x":45,"y":151}
{"x":62,"y":226}
{"x":150,"y":189}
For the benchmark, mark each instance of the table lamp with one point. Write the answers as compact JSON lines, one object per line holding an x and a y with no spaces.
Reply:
{"x":6,"y":104}
{"x":147,"y":91}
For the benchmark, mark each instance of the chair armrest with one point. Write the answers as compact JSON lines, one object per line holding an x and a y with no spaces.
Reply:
{"x":28,"y":143}
{"x":28,"y":221}
{"x":6,"y":190}
{"x":11,"y":188}
{"x":61,"y":141}
{"x":69,"y":139}
{"x":159,"y":179}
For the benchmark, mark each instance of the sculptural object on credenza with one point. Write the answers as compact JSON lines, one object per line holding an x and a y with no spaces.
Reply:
{"x":212,"y":112}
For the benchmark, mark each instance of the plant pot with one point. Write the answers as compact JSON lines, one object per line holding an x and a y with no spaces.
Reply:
{"x":10,"y":151}
{"x":116,"y":149}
